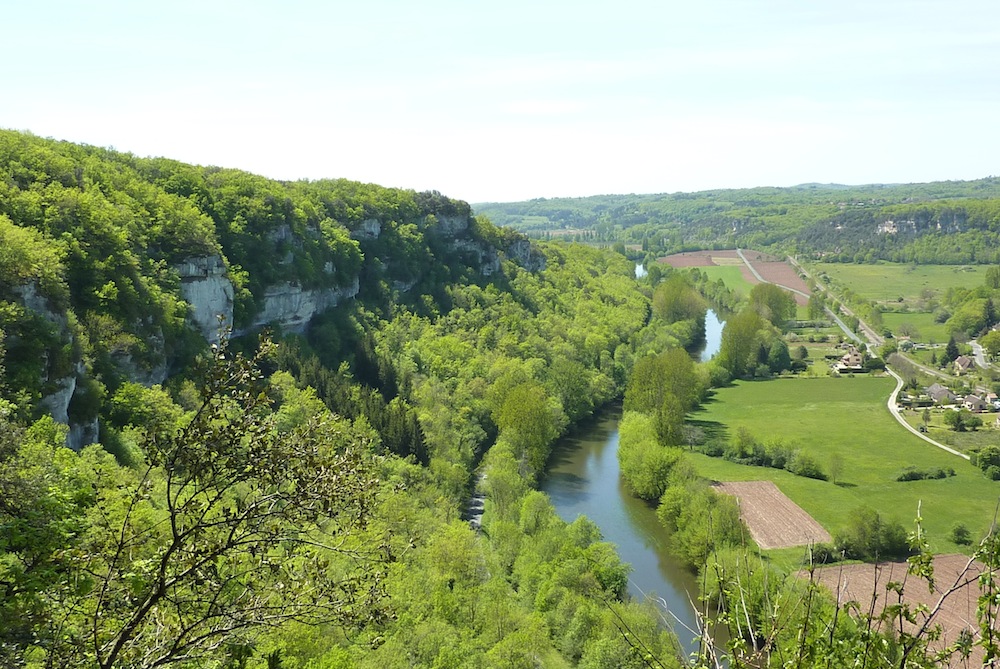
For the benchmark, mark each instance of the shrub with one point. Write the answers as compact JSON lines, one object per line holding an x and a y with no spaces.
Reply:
{"x":960,"y":535}
{"x":803,"y":464}
{"x":870,"y":537}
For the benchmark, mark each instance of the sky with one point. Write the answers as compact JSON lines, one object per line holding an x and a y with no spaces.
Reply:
{"x":506,"y":101}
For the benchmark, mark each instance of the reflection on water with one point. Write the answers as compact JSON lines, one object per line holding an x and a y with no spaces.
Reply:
{"x":713,"y":336}
{"x":583,"y":479}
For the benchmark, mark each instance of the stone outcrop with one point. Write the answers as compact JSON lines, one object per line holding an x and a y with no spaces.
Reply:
{"x":370,"y":228}
{"x":83,"y":434}
{"x":291,"y":307}
{"x":521,"y":252}
{"x":449,"y":226}
{"x":57,"y":402}
{"x":152,"y":368}
{"x":206,"y":287}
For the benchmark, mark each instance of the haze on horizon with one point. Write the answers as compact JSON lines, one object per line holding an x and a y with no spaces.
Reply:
{"x":524,"y":99}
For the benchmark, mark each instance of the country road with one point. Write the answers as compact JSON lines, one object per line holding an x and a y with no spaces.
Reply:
{"x":875,"y":340}
{"x":894,"y":410}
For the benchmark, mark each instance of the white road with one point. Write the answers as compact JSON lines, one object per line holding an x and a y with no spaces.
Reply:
{"x":894,"y":410}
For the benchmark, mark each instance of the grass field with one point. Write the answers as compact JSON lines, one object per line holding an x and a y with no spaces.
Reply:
{"x":927,"y":330}
{"x":731,"y":275}
{"x":846,"y":419}
{"x":887,"y":282}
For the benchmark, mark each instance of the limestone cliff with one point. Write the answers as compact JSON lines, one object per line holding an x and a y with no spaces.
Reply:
{"x":209,"y":292}
{"x":291,"y":307}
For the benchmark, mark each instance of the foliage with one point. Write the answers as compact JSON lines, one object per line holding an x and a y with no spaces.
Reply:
{"x":701,"y":520}
{"x":772,"y":303}
{"x":961,"y":420}
{"x":868,"y":536}
{"x":944,"y":222}
{"x":645,"y":464}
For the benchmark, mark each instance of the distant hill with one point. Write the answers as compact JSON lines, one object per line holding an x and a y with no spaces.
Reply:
{"x":901,"y":222}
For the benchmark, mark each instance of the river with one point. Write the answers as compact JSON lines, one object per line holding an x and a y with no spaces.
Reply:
{"x":713,"y":336}
{"x":583,"y":479}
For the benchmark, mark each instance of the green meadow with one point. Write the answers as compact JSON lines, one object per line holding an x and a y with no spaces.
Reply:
{"x":845,"y":420}
{"x":926,"y":329}
{"x":887,"y":282}
{"x":731,"y":275}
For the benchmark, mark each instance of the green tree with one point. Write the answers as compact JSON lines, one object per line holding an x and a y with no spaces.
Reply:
{"x":739,"y":344}
{"x":991,"y":342}
{"x":773,"y":303}
{"x":992,"y":280}
{"x":816,"y":307}
{"x":530,"y":423}
{"x":677,"y":300}
{"x":950,"y":351}
{"x":233,"y":528}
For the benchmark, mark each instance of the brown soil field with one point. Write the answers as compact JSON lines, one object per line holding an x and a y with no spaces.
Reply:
{"x":774,"y":520}
{"x":783,"y":274}
{"x":700,"y":258}
{"x":858,"y":582}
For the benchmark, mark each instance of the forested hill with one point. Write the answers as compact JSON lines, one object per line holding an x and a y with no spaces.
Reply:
{"x":945,"y":222}
{"x":116,"y":268}
{"x":298,"y":502}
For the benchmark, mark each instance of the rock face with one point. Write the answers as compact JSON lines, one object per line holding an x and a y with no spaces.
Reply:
{"x":521,"y":252}
{"x":205,"y":286}
{"x":370,"y":228}
{"x":57,"y":403}
{"x":83,"y":434}
{"x":29,"y":295}
{"x":292,"y":307}
{"x":153,"y":368}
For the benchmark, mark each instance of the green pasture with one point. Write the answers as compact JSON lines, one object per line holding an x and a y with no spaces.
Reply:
{"x":887,"y":282}
{"x":938,"y":430}
{"x":845,"y":419}
{"x":927,"y":330}
{"x":731,"y":275}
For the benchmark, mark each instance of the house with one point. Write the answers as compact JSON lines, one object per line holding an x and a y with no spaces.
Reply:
{"x":975,"y":403}
{"x":851,"y":361}
{"x":940,"y":394}
{"x":963,"y":363}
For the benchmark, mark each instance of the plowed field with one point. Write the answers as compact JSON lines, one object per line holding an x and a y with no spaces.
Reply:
{"x":703,"y":258}
{"x":774,"y":520}
{"x":858,"y":582}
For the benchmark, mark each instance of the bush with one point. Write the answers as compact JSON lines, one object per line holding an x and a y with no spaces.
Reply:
{"x":960,"y":535}
{"x":823,"y":554}
{"x":870,"y":537}
{"x":913,"y":474}
{"x":803,"y":464}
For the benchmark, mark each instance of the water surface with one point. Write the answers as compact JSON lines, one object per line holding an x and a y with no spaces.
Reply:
{"x":583,"y":479}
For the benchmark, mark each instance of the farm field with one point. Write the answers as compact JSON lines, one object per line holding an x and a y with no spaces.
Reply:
{"x":774,"y":520}
{"x":887,"y":282}
{"x":860,"y":582}
{"x":844,"y":420}
{"x":736,"y":277}
{"x":923,"y":321}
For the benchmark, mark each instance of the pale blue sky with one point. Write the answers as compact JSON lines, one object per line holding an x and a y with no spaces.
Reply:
{"x":519,"y":99}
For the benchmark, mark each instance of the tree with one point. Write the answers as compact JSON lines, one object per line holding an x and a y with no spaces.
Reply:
{"x":675,"y":300}
{"x":529,"y":422}
{"x":773,"y":303}
{"x":739,"y":343}
{"x":991,"y":342}
{"x":992,"y":280}
{"x":962,"y":420}
{"x":233,"y":527}
{"x":816,"y":307}
{"x":950,"y":351}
